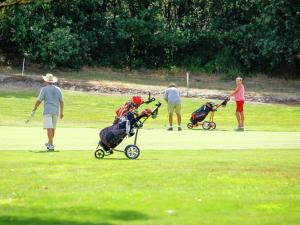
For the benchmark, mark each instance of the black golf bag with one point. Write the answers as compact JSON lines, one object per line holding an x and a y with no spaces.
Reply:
{"x":112,"y":136}
{"x":200,"y":114}
{"x":127,"y":125}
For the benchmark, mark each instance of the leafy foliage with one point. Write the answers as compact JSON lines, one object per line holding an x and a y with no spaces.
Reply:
{"x":217,"y":35}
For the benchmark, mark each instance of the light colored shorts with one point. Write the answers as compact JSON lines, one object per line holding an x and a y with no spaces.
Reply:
{"x":50,"y":121}
{"x":176,"y":107}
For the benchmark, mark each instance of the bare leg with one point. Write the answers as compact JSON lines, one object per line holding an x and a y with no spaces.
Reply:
{"x":242,"y":119}
{"x":53,"y":130}
{"x":238,"y":118}
{"x":171,"y":119}
{"x":50,"y":134}
{"x":178,"y":119}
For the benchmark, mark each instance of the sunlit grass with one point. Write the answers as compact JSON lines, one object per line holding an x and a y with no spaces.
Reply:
{"x":93,"y":110}
{"x":162,"y":187}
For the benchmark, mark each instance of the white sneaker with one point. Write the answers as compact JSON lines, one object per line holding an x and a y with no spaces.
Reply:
{"x":239,"y":129}
{"x":47,"y":145}
{"x":50,"y":148}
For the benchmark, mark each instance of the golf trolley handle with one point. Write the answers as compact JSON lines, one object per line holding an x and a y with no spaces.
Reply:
{"x":149,"y":99}
{"x":157,"y":105}
{"x":222,"y":103}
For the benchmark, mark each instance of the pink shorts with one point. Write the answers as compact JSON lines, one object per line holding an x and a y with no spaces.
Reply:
{"x":239,"y":106}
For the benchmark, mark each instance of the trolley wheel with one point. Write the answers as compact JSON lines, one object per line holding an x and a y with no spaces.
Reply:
{"x":190,"y":125}
{"x":206,"y":125}
{"x":213,"y":125}
{"x":132,"y":151}
{"x":99,"y":154}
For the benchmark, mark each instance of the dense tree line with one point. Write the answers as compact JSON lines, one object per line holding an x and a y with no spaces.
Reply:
{"x":214,"y":35}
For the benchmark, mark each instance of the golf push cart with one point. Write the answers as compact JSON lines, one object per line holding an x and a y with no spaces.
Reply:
{"x":200,"y":114}
{"x":129,"y":125}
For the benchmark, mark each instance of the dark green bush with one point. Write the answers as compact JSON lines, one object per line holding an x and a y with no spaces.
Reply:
{"x":59,"y":48}
{"x":219,"y":36}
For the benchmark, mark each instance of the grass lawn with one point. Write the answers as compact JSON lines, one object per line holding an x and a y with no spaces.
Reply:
{"x":33,"y":138}
{"x":163,"y":187}
{"x":205,"y":177}
{"x":92,"y":110}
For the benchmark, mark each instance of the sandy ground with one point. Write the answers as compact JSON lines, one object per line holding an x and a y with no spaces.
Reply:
{"x":9,"y":82}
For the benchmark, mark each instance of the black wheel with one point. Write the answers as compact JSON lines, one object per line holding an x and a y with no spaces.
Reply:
{"x":206,"y":125}
{"x":132,"y":151}
{"x":99,"y":154}
{"x":190,"y":125}
{"x":213,"y":125}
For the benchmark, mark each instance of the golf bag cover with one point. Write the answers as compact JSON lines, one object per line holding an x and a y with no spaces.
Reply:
{"x":200,"y":114}
{"x":112,"y":136}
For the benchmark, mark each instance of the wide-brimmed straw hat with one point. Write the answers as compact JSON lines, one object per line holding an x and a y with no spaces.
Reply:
{"x":49,"y":78}
{"x":172,"y":85}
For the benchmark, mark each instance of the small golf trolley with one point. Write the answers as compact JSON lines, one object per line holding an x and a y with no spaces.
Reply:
{"x":200,"y":114}
{"x":131,"y":151}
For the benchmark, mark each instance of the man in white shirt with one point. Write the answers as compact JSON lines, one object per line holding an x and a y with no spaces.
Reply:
{"x":172,"y":97}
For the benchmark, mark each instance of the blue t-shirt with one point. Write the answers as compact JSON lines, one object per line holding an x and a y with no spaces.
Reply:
{"x":52,"y":96}
{"x":172,"y":96}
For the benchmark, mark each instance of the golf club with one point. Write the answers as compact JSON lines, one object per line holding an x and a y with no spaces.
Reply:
{"x":30,"y":117}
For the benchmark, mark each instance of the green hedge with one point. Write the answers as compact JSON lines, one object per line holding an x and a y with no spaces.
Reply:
{"x":223,"y":36}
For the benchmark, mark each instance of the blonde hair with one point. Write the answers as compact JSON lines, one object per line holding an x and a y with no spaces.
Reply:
{"x":239,"y":78}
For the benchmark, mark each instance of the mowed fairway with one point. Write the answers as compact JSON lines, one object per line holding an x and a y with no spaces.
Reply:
{"x":96,"y":111}
{"x":162,"y":187}
{"x":33,"y":138}
{"x":189,"y":177}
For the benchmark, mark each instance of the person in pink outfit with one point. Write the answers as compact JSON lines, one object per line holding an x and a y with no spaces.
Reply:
{"x":239,"y":95}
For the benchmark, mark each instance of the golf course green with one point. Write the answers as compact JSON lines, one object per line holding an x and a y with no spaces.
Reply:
{"x":33,"y":138}
{"x":162,"y":187}
{"x":88,"y":89}
{"x":96,"y":111}
{"x":190,"y":177}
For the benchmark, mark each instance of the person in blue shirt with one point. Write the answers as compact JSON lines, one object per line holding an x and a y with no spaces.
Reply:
{"x":53,"y":107}
{"x":172,"y":97}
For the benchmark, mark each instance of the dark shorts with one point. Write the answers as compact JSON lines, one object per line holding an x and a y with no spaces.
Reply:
{"x":239,"y":106}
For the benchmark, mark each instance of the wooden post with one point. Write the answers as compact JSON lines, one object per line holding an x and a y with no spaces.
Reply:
{"x":23,"y":67}
{"x":187,"y":84}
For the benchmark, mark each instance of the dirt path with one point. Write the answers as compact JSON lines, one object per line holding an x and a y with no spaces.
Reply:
{"x":108,"y":87}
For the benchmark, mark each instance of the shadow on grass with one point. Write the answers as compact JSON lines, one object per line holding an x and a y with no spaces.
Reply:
{"x":139,"y":159}
{"x":39,"y":221}
{"x":202,"y":130}
{"x":43,"y":151}
{"x":107,"y":158}
{"x":105,"y":217}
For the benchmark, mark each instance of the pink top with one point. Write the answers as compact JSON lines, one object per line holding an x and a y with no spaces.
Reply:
{"x":239,"y":96}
